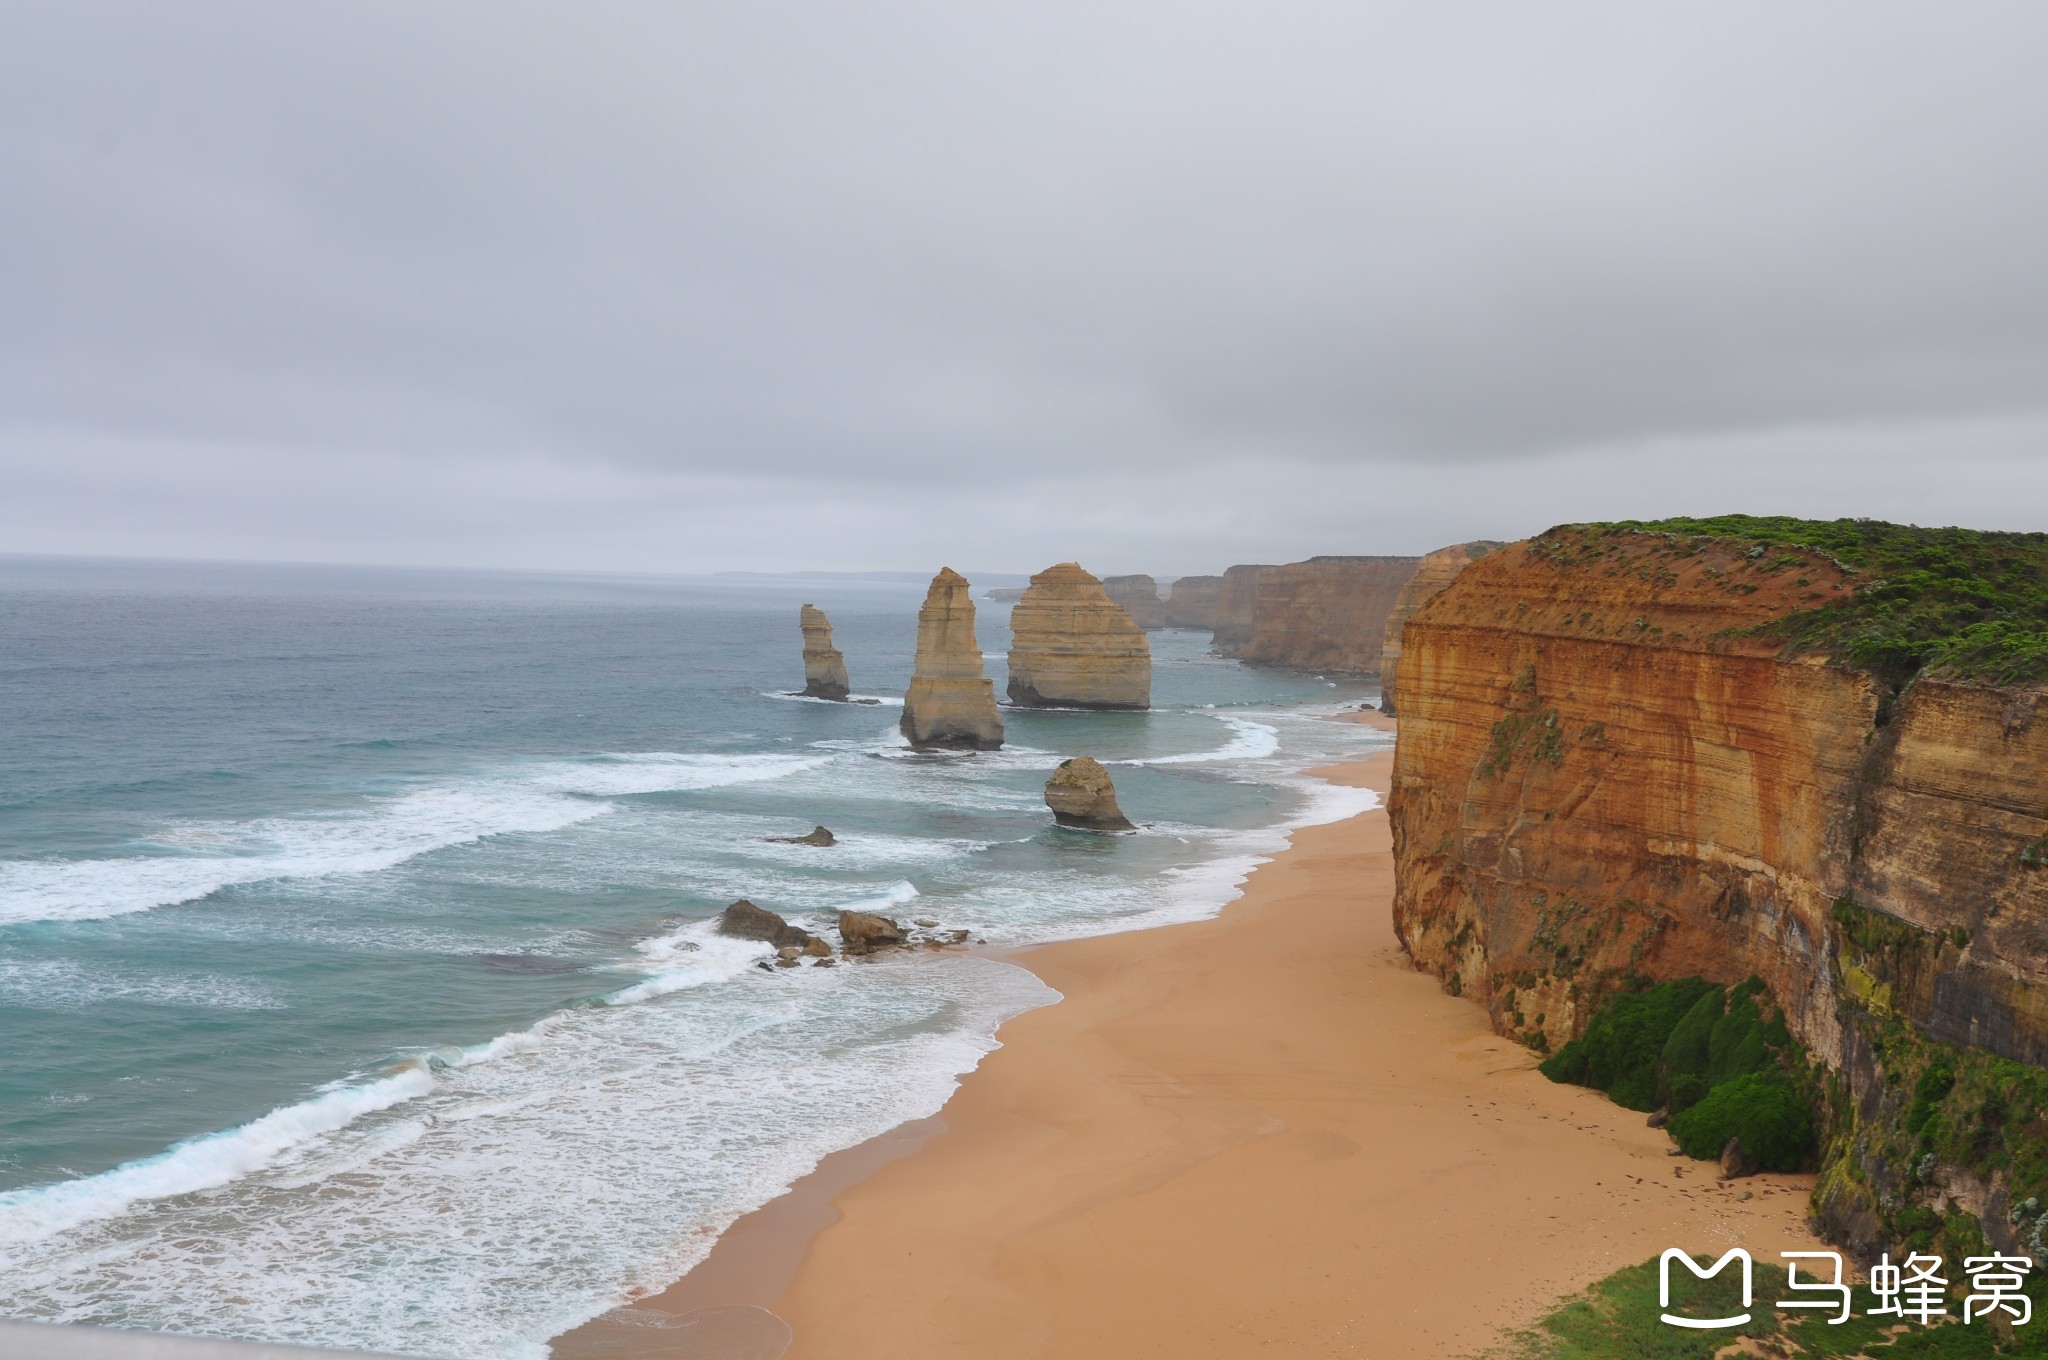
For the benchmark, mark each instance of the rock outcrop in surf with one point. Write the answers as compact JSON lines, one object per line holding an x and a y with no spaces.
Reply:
{"x":824,"y":665}
{"x":1139,"y":595}
{"x":951,"y":703}
{"x":1080,"y":794}
{"x":1073,"y":647}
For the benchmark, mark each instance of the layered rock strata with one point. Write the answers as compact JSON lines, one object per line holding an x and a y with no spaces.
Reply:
{"x":1081,"y":795}
{"x":1606,"y":772}
{"x":1073,"y":647}
{"x":1191,"y":602}
{"x":1237,"y":600}
{"x":1327,"y":614}
{"x":951,"y":703}
{"x":1435,"y":571}
{"x":824,"y":666}
{"x":1139,"y":596}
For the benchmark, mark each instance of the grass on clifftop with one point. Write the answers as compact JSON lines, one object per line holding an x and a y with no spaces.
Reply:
{"x":1618,"y":1319}
{"x":1964,"y":603}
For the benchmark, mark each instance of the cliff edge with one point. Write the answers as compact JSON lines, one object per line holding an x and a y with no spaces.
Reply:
{"x":1812,"y":753}
{"x":1435,"y":571}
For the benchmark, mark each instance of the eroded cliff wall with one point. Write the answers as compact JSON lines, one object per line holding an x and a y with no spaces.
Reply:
{"x":1237,"y":600}
{"x":1191,"y":602}
{"x":1605,"y":774}
{"x":1139,"y":596}
{"x":1326,"y":614}
{"x":1435,"y":571}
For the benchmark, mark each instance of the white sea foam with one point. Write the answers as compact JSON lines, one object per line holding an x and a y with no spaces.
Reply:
{"x":541,"y":798}
{"x":30,"y":1215}
{"x":62,"y":984}
{"x":1252,"y":741}
{"x":884,"y":700}
{"x":500,"y":1208}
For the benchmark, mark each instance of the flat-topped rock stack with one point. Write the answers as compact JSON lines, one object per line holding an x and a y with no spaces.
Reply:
{"x":951,"y":703}
{"x":1074,"y":647}
{"x":1139,"y":595}
{"x":824,"y":664}
{"x":1191,"y":602}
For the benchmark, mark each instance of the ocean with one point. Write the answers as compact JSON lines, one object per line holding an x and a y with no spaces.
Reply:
{"x":357,"y":984}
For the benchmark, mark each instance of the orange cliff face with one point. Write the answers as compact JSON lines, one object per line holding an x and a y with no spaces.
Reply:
{"x":1325,"y":614}
{"x":1599,"y":776}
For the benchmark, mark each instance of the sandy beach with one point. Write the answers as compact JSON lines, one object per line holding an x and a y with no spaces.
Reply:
{"x":1264,"y":1131}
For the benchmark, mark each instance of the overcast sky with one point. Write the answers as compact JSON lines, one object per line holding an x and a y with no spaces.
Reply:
{"x":1161,"y":286}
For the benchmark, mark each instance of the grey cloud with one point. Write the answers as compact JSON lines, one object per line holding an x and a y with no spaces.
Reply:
{"x":491,"y":282}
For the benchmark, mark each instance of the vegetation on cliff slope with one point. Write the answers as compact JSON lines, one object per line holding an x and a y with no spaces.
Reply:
{"x":1720,"y":1059}
{"x":1964,"y":603}
{"x":1618,"y":1318}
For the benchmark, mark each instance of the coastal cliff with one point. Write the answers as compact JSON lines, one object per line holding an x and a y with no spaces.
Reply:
{"x":1435,"y":571}
{"x":1631,"y":753}
{"x":824,"y":665}
{"x":1191,"y":602}
{"x":951,"y":703}
{"x":1073,"y":647}
{"x":1139,"y":596}
{"x":1237,"y":601}
{"x":1326,"y":614}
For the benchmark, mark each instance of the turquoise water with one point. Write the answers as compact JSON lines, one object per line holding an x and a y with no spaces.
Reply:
{"x":355,"y":975}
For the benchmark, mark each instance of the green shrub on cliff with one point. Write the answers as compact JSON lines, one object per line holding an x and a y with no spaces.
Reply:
{"x":1967,"y":603}
{"x":1622,"y":1049}
{"x":1771,"y":1118}
{"x":1721,"y":1063}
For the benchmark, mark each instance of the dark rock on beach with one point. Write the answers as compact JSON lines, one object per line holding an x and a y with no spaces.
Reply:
{"x":861,"y":932}
{"x":745,"y":921}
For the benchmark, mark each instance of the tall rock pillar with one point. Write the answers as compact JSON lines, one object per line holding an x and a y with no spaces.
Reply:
{"x":951,"y":703}
{"x":824,"y":665}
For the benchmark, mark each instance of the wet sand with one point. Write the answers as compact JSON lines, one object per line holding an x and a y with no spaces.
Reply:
{"x":1263,"y":1131}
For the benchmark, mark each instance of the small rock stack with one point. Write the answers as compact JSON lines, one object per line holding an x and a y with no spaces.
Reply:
{"x":1081,"y":795}
{"x":824,"y":664}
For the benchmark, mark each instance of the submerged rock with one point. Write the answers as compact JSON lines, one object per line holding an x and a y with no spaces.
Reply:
{"x":1074,"y":647}
{"x":745,"y":921}
{"x":817,"y":835}
{"x":824,"y":664}
{"x":951,"y":703}
{"x":1080,"y":794}
{"x":863,"y":932}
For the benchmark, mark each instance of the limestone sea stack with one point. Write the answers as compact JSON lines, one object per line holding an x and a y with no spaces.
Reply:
{"x":1073,"y":647}
{"x":951,"y":704}
{"x":1436,"y":570}
{"x":824,"y":666}
{"x":1191,"y":602}
{"x":1237,"y":600}
{"x":1080,"y":794}
{"x":1139,"y":595}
